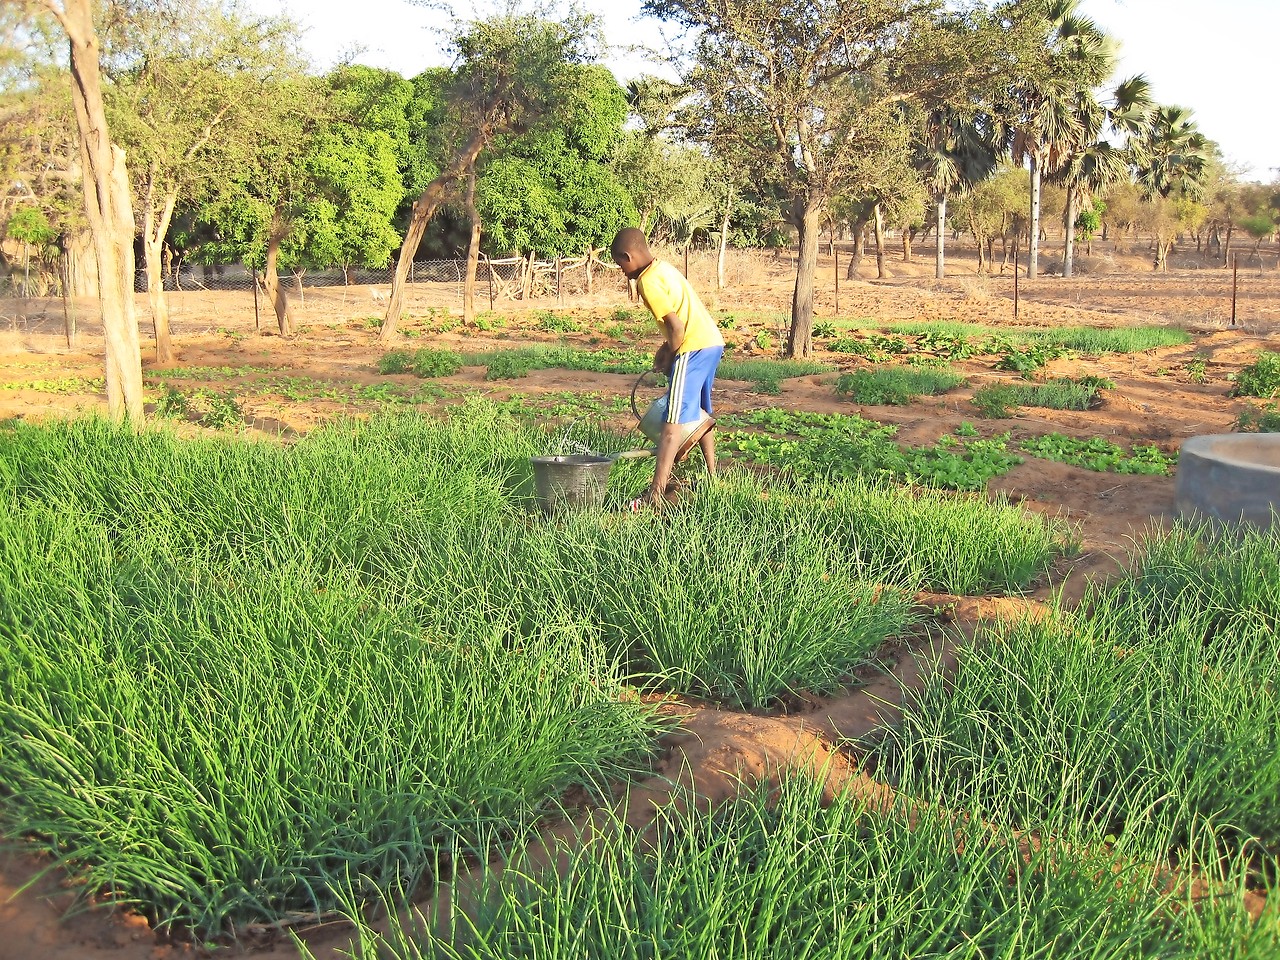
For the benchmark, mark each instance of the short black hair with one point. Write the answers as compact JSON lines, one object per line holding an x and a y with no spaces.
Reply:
{"x":630,"y":240}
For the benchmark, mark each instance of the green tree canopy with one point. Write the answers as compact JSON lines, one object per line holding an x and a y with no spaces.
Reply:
{"x":805,"y":92}
{"x":554,"y":190}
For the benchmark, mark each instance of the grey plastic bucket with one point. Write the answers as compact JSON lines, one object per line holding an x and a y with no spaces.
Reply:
{"x":570,"y":483}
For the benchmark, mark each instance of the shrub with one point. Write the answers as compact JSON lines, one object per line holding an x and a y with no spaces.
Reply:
{"x":507,"y":366}
{"x":395,"y":361}
{"x":1261,"y":378}
{"x":173,"y":404}
{"x":895,"y":385}
{"x":436,"y":363}
{"x":423,"y":363}
{"x":552,"y":322}
{"x":222,"y":410}
{"x":996,"y":401}
{"x":1260,"y":419}
{"x":1026,"y":361}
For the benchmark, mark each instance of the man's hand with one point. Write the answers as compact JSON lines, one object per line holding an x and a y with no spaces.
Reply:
{"x":662,"y":359}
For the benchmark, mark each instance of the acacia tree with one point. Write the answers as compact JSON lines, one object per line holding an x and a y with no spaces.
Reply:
{"x":513,"y":72}
{"x":107,"y":204}
{"x":187,"y":76}
{"x":803,"y":90}
{"x":39,"y":155}
{"x":992,"y":209}
{"x":323,"y":181}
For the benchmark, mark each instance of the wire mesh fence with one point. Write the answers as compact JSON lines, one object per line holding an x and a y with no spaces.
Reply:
{"x":203,"y":298}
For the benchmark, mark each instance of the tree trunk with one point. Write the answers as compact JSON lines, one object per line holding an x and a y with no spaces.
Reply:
{"x":82,"y":268}
{"x":859,"y":249}
{"x":808,"y":223}
{"x":424,"y":208}
{"x":473,"y":255}
{"x":1162,"y":252}
{"x":939,"y":243}
{"x":977,"y":239}
{"x":109,"y":210}
{"x":906,"y":246}
{"x":271,"y":279}
{"x":1069,"y":250}
{"x":724,"y":246}
{"x":882,"y":271}
{"x":1033,"y":248}
{"x":155,"y":227}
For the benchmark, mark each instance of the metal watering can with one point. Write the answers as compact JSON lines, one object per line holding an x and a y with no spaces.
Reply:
{"x":654,"y":418}
{"x":579,"y":480}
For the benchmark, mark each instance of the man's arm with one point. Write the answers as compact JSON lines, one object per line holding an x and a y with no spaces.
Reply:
{"x":674,"y":329}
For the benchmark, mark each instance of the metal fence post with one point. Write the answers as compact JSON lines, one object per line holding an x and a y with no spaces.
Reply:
{"x":1015,"y":290}
{"x":1235,"y":285}
{"x":836,"y":251}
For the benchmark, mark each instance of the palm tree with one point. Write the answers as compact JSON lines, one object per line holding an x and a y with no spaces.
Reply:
{"x":1097,"y":164}
{"x":1045,"y":115}
{"x":956,"y":151}
{"x":1172,"y":158}
{"x":1172,"y":155}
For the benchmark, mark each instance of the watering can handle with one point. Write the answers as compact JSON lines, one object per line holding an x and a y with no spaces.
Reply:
{"x":635,"y":409}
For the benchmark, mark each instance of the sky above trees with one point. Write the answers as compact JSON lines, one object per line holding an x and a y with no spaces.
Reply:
{"x":1214,"y":58}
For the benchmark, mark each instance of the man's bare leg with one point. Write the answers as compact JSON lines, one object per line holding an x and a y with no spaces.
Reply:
{"x":668,"y":447}
{"x":707,"y":444}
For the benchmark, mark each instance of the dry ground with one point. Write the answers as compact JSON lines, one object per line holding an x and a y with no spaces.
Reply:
{"x":1155,"y":400}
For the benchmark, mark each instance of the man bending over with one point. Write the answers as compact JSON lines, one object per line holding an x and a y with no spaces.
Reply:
{"x":690,"y":352}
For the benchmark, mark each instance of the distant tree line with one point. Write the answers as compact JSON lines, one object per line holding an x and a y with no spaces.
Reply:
{"x":191,"y":131}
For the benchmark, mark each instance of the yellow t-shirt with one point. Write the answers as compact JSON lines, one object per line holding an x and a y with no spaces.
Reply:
{"x":665,"y":290}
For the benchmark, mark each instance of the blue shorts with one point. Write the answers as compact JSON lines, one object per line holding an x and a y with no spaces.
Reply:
{"x":692,"y":374}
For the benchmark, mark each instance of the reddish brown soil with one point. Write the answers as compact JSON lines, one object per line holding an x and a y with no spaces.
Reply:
{"x":1154,"y":401}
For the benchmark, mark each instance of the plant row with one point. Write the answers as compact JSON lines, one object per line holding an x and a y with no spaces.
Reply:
{"x":515,"y":362}
{"x":239,"y":673}
{"x":1096,"y":784}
